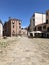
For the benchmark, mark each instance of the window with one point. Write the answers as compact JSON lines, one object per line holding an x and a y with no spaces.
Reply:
{"x":13,"y":26}
{"x":48,"y":29}
{"x":35,"y":29}
{"x":33,"y":23}
{"x":13,"y":22}
{"x":47,"y":21}
{"x":40,"y":28}
{"x":47,"y":13}
{"x":33,"y":19}
{"x":19,"y":26}
{"x":44,"y":27}
{"x":19,"y":23}
{"x":13,"y":31}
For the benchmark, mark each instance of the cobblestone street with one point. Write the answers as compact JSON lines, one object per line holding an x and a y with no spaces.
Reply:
{"x":24,"y":51}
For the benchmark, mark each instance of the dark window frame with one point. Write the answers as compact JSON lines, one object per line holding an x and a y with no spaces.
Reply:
{"x":13,"y":31}
{"x":33,"y":19}
{"x":13,"y":26}
{"x":13,"y":22}
{"x":19,"y":26}
{"x":48,"y":29}
{"x":47,"y":21}
{"x":47,"y":13}
{"x":40,"y":28}
{"x":44,"y":27}
{"x":35,"y":29}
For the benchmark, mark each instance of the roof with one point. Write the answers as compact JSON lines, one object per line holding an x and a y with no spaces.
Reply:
{"x":40,"y":13}
{"x":14,"y":19}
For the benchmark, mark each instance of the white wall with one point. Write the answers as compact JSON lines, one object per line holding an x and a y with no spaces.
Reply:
{"x":1,"y":30}
{"x":40,"y":18}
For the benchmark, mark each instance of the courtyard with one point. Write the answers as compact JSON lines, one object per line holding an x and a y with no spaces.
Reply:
{"x":24,"y":51}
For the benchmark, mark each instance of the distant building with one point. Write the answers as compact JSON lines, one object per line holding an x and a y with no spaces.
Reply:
{"x":12,"y":27}
{"x":37,"y":19}
{"x":1,"y":29}
{"x":24,"y":31}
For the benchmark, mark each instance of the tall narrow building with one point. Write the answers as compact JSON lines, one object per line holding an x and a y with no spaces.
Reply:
{"x":47,"y":16}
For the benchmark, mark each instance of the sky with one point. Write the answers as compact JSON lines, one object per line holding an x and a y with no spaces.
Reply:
{"x":22,"y":9}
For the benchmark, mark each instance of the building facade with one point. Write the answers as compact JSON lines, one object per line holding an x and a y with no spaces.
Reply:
{"x":37,"y":19}
{"x":1,"y":29}
{"x":12,"y":27}
{"x":41,"y":27}
{"x":44,"y":27}
{"x":24,"y":31}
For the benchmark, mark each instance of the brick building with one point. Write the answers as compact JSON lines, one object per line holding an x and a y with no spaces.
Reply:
{"x":12,"y":27}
